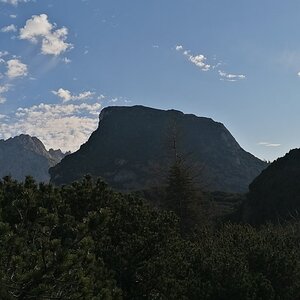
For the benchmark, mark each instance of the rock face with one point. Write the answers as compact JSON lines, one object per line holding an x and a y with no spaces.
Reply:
{"x":25,"y":155}
{"x":133,"y":146}
{"x":275,"y":194}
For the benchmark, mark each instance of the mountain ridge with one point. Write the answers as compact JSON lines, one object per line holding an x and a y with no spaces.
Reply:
{"x":131,"y":141}
{"x":274,"y":195}
{"x":25,"y":155}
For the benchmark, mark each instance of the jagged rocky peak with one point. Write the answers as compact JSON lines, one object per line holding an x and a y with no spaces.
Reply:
{"x":28,"y":142}
{"x":25,"y":155}
{"x":132,"y":149}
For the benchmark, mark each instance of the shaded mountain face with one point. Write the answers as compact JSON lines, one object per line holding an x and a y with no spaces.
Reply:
{"x":134,"y":146}
{"x":275,"y":194}
{"x":25,"y":155}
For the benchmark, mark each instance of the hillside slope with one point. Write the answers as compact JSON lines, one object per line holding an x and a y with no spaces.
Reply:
{"x":275,"y":194}
{"x":132,"y":148}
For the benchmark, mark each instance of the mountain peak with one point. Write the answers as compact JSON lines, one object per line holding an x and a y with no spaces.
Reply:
{"x":26,"y":155}
{"x":132,"y":141}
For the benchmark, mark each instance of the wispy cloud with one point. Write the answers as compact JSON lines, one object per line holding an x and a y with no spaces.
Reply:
{"x":66,"y":60}
{"x":230,"y":77}
{"x":14,"y":2}
{"x":198,"y":60}
{"x":53,"y":41}
{"x":267,"y":144}
{"x":9,"y":28}
{"x":201,"y":61}
{"x":66,"y":95}
{"x":3,"y":89}
{"x":3,"y":53}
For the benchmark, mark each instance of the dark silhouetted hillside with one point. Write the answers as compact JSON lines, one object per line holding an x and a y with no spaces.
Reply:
{"x":275,"y":194}
{"x":132,"y":148}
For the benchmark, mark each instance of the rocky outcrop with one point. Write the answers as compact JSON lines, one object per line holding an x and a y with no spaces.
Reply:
{"x":25,"y":155}
{"x":133,"y":147}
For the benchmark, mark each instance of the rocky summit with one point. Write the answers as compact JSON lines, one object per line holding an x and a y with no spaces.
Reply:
{"x":24,"y":155}
{"x":133,"y":148}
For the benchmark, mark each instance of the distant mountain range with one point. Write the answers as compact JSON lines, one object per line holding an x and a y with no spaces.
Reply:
{"x":25,"y":155}
{"x":134,"y":146}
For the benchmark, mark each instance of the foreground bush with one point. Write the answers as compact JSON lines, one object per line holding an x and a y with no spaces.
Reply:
{"x":85,"y":241}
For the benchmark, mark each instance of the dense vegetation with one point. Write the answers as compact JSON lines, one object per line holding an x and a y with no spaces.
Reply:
{"x":84,"y":241}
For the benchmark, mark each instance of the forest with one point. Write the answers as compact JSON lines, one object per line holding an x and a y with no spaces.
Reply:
{"x":86,"y":241}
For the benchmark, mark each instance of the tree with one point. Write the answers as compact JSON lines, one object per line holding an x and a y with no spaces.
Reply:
{"x":183,"y":194}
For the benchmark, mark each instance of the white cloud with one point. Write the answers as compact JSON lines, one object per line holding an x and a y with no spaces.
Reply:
{"x":3,"y":90}
{"x":66,"y":95}
{"x":3,"y":53}
{"x":64,"y":126}
{"x":15,"y":68}
{"x":201,"y":62}
{"x":53,"y":41}
{"x":198,"y":60}
{"x":13,"y":16}
{"x":9,"y":28}
{"x":66,"y":60}
{"x":14,"y":2}
{"x":266,"y":144}
{"x":230,"y":77}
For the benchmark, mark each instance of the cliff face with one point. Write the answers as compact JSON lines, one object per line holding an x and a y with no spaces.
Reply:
{"x":133,"y":147}
{"x":25,"y":155}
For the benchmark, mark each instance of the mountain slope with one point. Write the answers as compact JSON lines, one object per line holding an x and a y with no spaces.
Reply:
{"x":132,"y":148}
{"x":275,"y":194}
{"x":25,"y":155}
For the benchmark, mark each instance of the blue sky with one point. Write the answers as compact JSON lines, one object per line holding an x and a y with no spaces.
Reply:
{"x":235,"y":61}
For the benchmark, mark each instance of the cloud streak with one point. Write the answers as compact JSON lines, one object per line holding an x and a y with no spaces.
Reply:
{"x":266,"y":144}
{"x":14,"y":2}
{"x":230,"y":77}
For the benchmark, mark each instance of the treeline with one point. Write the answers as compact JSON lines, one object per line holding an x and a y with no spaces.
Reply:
{"x":84,"y":241}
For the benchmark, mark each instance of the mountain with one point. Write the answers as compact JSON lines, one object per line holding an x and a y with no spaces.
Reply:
{"x":275,"y":194}
{"x":25,"y":155}
{"x":133,"y":147}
